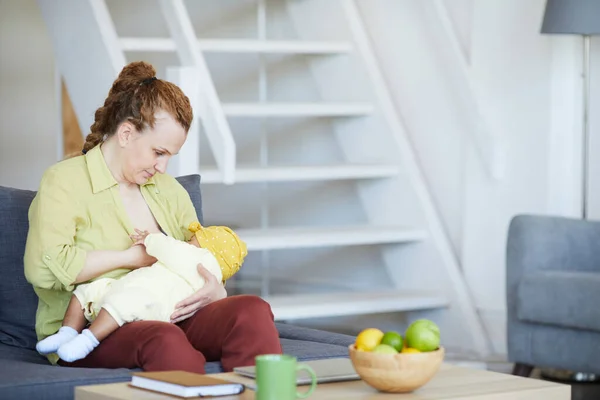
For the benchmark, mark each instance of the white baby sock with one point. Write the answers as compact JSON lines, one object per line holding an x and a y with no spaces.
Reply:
{"x":79,"y":347}
{"x":53,"y":342}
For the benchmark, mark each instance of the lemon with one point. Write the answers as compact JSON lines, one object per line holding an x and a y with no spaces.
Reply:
{"x":368,"y":339}
{"x":393,"y":339}
{"x":410,"y":350}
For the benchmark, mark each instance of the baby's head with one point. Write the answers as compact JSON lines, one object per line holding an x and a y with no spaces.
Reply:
{"x":224,"y":244}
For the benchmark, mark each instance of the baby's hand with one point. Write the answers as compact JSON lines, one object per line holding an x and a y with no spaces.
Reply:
{"x":139,"y":236}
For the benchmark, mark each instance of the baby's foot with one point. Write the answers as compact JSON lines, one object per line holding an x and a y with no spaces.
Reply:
{"x":50,"y":344}
{"x":79,"y":347}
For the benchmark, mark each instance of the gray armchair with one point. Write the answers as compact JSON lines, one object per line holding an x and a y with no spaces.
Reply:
{"x":553,"y":294}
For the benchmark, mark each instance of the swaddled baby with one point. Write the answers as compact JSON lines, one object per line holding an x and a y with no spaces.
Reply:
{"x":149,"y":293}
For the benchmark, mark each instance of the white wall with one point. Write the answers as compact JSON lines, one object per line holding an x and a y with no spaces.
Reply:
{"x":28,"y":102}
{"x":510,"y":63}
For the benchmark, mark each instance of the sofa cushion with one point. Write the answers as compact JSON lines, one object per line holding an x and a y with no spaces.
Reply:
{"x":556,"y":298}
{"x":18,"y":302}
{"x":24,"y":380}
{"x":191,"y":183}
{"x":14,"y":353}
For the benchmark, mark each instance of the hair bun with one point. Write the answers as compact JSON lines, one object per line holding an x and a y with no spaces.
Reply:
{"x":138,"y":70}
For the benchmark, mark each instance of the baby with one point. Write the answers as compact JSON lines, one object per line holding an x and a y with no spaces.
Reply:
{"x":149,"y":293}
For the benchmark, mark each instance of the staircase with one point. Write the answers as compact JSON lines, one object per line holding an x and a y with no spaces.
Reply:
{"x":298,"y":144}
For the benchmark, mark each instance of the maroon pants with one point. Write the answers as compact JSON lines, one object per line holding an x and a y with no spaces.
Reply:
{"x":233,"y":330}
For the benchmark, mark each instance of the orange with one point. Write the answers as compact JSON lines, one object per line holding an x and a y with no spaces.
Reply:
{"x":368,"y":339}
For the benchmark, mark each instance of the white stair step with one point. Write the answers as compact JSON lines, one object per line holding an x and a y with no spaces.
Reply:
{"x":243,"y":174}
{"x":310,"y":237}
{"x":289,"y":307}
{"x":240,"y":46}
{"x":315,"y":109}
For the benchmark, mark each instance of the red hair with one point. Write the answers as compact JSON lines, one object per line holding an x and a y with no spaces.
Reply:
{"x":135,"y":96}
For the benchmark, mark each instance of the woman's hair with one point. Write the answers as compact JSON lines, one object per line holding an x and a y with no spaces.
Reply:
{"x":135,"y":96}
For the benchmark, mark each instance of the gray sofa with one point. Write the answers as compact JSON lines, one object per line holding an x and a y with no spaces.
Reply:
{"x":553,"y":294}
{"x":24,"y":374}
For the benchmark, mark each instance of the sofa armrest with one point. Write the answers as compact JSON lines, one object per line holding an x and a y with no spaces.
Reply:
{"x":554,"y":243}
{"x":294,"y":332}
{"x":549,"y":243}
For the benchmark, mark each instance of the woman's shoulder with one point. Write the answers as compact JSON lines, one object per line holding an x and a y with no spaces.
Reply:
{"x":70,"y":172}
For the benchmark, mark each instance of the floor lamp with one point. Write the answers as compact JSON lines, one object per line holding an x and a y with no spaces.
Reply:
{"x":579,"y":17}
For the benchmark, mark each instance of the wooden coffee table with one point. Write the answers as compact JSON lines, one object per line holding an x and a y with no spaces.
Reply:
{"x":449,"y":383}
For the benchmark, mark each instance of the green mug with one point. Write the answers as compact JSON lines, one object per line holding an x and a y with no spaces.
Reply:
{"x":276,"y":377}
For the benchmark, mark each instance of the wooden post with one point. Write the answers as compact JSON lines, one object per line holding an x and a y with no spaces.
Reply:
{"x":72,"y":136}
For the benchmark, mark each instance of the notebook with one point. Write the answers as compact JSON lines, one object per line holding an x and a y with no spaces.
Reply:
{"x":328,"y":370}
{"x":185,"y":384}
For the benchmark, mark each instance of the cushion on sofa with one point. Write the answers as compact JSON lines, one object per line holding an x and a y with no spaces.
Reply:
{"x":18,"y":301}
{"x":191,"y":183}
{"x":556,"y":298}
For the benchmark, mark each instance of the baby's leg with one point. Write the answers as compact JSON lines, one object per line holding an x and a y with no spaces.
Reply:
{"x":104,"y":325}
{"x":75,"y":317}
{"x":89,"y":339}
{"x":73,"y":323}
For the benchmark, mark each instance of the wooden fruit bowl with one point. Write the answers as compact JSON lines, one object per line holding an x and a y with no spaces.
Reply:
{"x":396,"y":373}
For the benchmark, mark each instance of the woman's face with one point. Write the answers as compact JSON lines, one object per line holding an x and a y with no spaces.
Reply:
{"x":148,"y":152}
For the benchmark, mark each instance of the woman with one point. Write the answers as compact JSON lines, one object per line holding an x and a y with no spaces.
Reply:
{"x":88,"y":206}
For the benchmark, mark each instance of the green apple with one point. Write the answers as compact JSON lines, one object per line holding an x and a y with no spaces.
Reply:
{"x":423,"y":335}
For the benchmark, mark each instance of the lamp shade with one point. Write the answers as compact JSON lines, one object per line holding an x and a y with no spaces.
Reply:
{"x":580,"y":17}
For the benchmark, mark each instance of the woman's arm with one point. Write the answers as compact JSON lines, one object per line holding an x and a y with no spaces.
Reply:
{"x":52,"y":260}
{"x":212,"y":291}
{"x":99,"y":262}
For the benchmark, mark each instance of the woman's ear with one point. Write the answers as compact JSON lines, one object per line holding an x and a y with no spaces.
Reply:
{"x":125,"y":133}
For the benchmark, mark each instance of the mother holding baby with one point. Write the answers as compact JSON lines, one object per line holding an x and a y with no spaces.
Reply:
{"x":81,"y":224}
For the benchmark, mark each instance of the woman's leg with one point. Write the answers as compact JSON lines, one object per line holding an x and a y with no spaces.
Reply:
{"x":150,"y":345}
{"x":233,"y":330}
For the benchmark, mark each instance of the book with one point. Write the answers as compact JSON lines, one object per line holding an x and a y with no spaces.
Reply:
{"x":185,"y":384}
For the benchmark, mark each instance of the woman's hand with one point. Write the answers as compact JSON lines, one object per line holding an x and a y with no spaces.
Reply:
{"x":211,"y":292}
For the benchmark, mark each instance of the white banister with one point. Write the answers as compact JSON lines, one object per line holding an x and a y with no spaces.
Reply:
{"x":208,"y":107}
{"x":108,"y":33}
{"x":487,"y":142}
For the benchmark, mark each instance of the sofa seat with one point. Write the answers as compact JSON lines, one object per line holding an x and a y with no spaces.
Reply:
{"x":556,"y":298}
